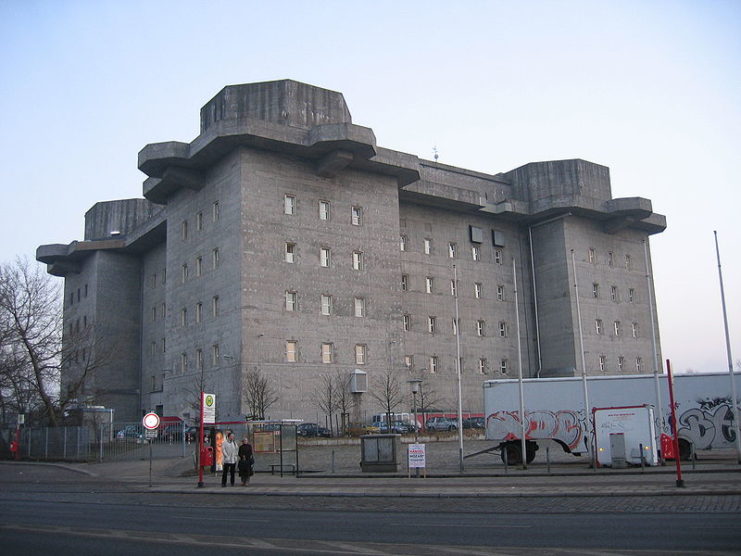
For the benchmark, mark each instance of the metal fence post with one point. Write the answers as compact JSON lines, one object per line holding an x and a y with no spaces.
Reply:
{"x":46,"y":442}
{"x":100,"y":449}
{"x":64,"y":430}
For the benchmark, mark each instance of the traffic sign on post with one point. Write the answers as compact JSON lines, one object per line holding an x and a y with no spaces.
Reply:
{"x":151,"y":421}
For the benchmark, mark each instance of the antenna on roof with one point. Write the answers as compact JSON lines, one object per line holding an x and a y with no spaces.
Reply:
{"x":434,"y":150}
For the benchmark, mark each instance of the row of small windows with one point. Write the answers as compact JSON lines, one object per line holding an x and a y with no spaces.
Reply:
{"x":478,"y":287}
{"x":185,"y":226}
{"x":427,"y":249}
{"x":79,"y":295}
{"x":199,"y":359}
{"x":325,"y":210}
{"x":592,"y":259}
{"x":326,"y":303}
{"x":614,"y":293}
{"x":185,"y":269}
{"x":621,"y":363}
{"x":325,"y":256}
{"x":617,"y":328}
{"x":74,"y":327}
{"x":433,"y":364}
{"x":479,"y":326}
{"x":198,"y":311}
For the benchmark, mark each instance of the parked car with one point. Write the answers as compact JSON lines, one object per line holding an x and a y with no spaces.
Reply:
{"x":171,"y":432}
{"x":129,"y":432}
{"x":311,"y":430}
{"x":441,"y":424}
{"x":474,"y":423}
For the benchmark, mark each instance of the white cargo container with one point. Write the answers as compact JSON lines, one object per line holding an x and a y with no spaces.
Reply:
{"x":625,"y":435}
{"x":554,"y":410}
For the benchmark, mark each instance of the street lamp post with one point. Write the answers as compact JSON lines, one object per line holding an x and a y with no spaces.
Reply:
{"x":415,"y":384}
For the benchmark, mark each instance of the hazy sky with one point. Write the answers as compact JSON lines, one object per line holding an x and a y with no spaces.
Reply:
{"x":650,"y":89}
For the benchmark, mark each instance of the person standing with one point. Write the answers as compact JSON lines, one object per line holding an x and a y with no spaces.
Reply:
{"x":246,"y":461}
{"x":229,"y":450}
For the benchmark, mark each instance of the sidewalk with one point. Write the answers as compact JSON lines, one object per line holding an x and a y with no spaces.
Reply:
{"x":334,"y":471}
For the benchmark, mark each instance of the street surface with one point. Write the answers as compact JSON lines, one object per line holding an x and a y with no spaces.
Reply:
{"x":56,"y":510}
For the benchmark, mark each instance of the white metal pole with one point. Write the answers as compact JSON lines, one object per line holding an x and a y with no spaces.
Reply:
{"x":734,"y":401}
{"x":523,"y":418}
{"x":535,"y":300}
{"x":458,"y":368}
{"x":657,"y":364}
{"x":587,"y":416}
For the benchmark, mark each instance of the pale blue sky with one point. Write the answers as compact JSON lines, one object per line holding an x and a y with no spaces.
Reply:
{"x":650,"y":89}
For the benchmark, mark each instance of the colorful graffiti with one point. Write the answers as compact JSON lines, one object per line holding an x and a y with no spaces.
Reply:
{"x":565,"y":426}
{"x":709,"y":425}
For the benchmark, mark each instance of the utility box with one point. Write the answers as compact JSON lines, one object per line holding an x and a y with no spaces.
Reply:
{"x":617,"y":450}
{"x":380,"y":452}
{"x":625,"y":434}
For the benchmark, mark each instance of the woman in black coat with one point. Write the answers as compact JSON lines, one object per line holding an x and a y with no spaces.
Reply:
{"x":246,"y":460}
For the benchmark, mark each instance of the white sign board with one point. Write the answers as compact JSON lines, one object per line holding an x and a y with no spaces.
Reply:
{"x":209,"y":408}
{"x":151,"y":421}
{"x":416,"y":456}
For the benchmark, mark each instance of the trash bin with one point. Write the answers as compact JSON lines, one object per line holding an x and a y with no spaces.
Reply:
{"x":380,"y":452}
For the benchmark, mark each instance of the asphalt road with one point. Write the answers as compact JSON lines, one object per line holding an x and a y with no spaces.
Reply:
{"x":53,"y":511}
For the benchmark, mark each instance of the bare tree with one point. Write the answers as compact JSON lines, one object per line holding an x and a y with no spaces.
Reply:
{"x":325,"y":398}
{"x":345,"y":401}
{"x":428,"y":400}
{"x":387,"y":393}
{"x":259,"y":394}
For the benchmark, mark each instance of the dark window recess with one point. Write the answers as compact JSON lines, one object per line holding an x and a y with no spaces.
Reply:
{"x":498,"y":238}
{"x":477,"y":234}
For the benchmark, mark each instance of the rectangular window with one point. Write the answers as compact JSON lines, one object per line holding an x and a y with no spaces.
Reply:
{"x":291,"y":351}
{"x":602,"y":362}
{"x":403,"y":243}
{"x":325,"y":257}
{"x":628,"y":264}
{"x":431,"y":324}
{"x":452,"y":248}
{"x":616,"y":327}
{"x":476,"y":252}
{"x":215,"y":258}
{"x":327,"y":353}
{"x":154,"y":314}
{"x":215,"y":211}
{"x":595,"y":290}
{"x":610,"y":258}
{"x":360,"y":354}
{"x":153,"y":349}
{"x":215,"y":355}
{"x":86,"y":288}
{"x":326,"y":305}
{"x":598,"y":326}
{"x":199,"y":265}
{"x":503,"y":366}
{"x":634,"y":329}
{"x":639,"y":364}
{"x":502,"y":329}
{"x":407,"y":323}
{"x":477,"y":290}
{"x":482,"y":366}
{"x":359,"y":307}
{"x":164,"y":345}
{"x":409,"y":361}
{"x":199,"y":312}
{"x":153,"y":281}
{"x":163,"y":310}
{"x":454,"y":326}
{"x":199,"y":221}
{"x":427,"y":246}
{"x":184,"y":230}
{"x":357,"y":216}
{"x":323,"y":210}
{"x":184,"y":273}
{"x":476,"y":234}
{"x":432,"y":362}
{"x":500,"y":293}
{"x":591,"y":255}
{"x":621,"y":363}
{"x":290,"y":301}
{"x":428,"y":284}
{"x":357,"y":260}
{"x":614,"y":293}
{"x":183,"y":362}
{"x":289,"y":251}
{"x":183,"y":317}
{"x":480,"y":327}
{"x":498,"y":257}
{"x":631,"y":295}
{"x":164,"y":276}
{"x":289,"y":204}
{"x":453,"y":288}
{"x":404,"y":282}
{"x":215,"y":306}
{"x":199,"y":359}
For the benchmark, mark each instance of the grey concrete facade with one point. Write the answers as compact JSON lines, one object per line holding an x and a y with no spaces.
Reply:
{"x":211,"y":275}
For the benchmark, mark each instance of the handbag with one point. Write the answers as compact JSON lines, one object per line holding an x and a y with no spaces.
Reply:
{"x":243,"y":465}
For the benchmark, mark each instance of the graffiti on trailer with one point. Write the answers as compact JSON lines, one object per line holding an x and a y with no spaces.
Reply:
{"x":711,"y":403}
{"x":708,"y":427}
{"x":566,"y":426}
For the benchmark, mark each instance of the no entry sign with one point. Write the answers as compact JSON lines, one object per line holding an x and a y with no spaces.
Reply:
{"x":151,"y":421}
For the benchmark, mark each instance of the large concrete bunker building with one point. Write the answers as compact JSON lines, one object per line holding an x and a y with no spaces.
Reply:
{"x":283,"y":239}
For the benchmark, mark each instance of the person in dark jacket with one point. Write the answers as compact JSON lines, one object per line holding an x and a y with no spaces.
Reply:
{"x":246,"y":460}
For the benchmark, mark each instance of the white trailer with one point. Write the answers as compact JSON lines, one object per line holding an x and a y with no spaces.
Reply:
{"x":554,"y":410}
